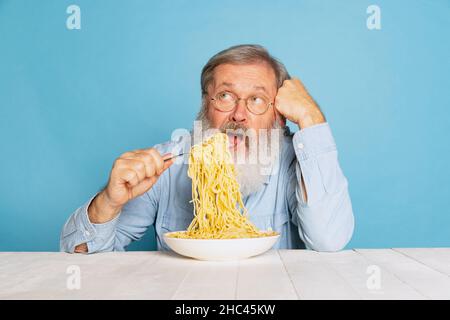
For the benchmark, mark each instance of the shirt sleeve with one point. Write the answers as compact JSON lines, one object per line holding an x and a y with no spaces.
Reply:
{"x":129,"y":225}
{"x":79,"y":229}
{"x":325,"y":218}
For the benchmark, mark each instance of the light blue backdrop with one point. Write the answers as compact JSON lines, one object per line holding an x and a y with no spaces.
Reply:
{"x":73,"y":100}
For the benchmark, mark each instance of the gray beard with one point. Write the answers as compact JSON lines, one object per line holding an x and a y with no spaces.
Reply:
{"x":250,"y":176}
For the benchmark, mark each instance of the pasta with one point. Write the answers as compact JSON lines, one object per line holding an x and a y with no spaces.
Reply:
{"x":219,"y":212}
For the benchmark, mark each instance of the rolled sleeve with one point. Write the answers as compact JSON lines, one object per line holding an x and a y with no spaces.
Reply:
{"x":326,"y":219}
{"x":79,"y":229}
{"x":316,"y":153}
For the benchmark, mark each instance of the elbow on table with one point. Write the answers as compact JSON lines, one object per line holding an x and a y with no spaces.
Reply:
{"x":63,"y":243}
{"x":63,"y":247}
{"x":328,"y":242}
{"x":328,"y":245}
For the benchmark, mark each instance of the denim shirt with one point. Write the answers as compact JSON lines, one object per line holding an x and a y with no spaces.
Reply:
{"x":323,"y":223}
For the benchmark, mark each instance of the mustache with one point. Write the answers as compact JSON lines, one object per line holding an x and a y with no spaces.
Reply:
{"x":236,"y":129}
{"x":232,"y":126}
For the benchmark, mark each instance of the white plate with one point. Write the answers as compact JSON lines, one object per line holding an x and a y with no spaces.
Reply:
{"x":220,"y":249}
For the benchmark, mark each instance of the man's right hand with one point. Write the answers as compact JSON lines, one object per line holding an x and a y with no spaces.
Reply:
{"x":133,"y":174}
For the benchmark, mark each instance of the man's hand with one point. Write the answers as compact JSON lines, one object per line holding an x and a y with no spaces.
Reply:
{"x":133,"y":174}
{"x":294,"y":102}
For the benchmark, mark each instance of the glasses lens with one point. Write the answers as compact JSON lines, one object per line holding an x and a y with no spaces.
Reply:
{"x":257,"y":104}
{"x":225,"y":101}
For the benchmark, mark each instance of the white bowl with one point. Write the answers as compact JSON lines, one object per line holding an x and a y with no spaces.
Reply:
{"x":220,"y":249}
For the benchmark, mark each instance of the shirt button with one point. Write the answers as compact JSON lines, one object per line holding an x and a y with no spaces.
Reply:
{"x":87,"y":233}
{"x":300,"y":145}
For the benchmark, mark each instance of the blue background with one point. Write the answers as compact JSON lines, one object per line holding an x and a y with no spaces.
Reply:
{"x":73,"y":100}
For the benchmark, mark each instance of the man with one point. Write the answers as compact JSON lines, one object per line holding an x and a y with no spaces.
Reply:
{"x":305,"y":199}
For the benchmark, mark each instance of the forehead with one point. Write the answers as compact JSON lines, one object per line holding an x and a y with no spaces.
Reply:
{"x":246,"y":75}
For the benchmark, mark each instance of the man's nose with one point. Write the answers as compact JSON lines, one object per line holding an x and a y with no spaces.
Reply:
{"x":239,"y":114}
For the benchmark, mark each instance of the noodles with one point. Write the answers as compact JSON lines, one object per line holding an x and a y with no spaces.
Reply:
{"x":219,"y":212}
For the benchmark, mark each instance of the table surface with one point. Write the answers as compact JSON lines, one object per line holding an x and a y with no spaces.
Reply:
{"x":285,"y":274}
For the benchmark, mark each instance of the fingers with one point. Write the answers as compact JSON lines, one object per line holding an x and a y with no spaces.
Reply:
{"x":137,"y":165}
{"x":140,"y":160}
{"x":134,"y":173}
{"x":162,"y":164}
{"x":145,"y":162}
{"x":167,"y":156}
{"x":143,"y":186}
{"x":291,"y":83}
{"x":126,"y":175}
{"x":167,"y":164}
{"x":157,"y":159}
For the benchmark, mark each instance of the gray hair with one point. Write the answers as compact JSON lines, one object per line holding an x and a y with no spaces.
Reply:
{"x":240,"y":54}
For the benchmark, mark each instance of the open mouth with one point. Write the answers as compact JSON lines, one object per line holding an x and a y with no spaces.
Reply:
{"x":234,"y":139}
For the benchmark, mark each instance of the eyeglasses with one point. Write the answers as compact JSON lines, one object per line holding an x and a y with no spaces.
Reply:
{"x":226,"y":101}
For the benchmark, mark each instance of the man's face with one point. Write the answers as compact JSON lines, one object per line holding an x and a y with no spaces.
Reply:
{"x":243,"y":81}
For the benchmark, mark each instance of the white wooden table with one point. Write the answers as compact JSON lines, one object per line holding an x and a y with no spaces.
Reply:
{"x":284,"y":274}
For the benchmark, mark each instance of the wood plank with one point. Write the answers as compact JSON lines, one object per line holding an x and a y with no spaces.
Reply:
{"x":435,"y":258}
{"x":44,"y":275}
{"x":427,"y":281}
{"x":33,"y":275}
{"x":356,"y":270}
{"x":111,"y":275}
{"x":314,"y":278}
{"x":341,"y":275}
{"x":208,"y":280}
{"x":287,"y":274}
{"x":158,"y":280}
{"x":264,"y":277}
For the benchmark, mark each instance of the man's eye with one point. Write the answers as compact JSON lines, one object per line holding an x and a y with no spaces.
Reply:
{"x":225,"y":96}
{"x":257,"y":100}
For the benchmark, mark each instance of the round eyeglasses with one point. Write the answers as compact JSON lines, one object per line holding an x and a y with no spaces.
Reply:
{"x":226,"y":101}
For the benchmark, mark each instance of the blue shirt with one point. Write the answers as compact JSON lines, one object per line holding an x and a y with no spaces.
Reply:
{"x":324,"y":222}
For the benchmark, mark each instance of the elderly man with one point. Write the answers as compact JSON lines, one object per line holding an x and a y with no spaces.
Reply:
{"x":305,"y":199}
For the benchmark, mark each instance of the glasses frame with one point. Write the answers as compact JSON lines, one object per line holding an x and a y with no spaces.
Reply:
{"x":214,"y":99}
